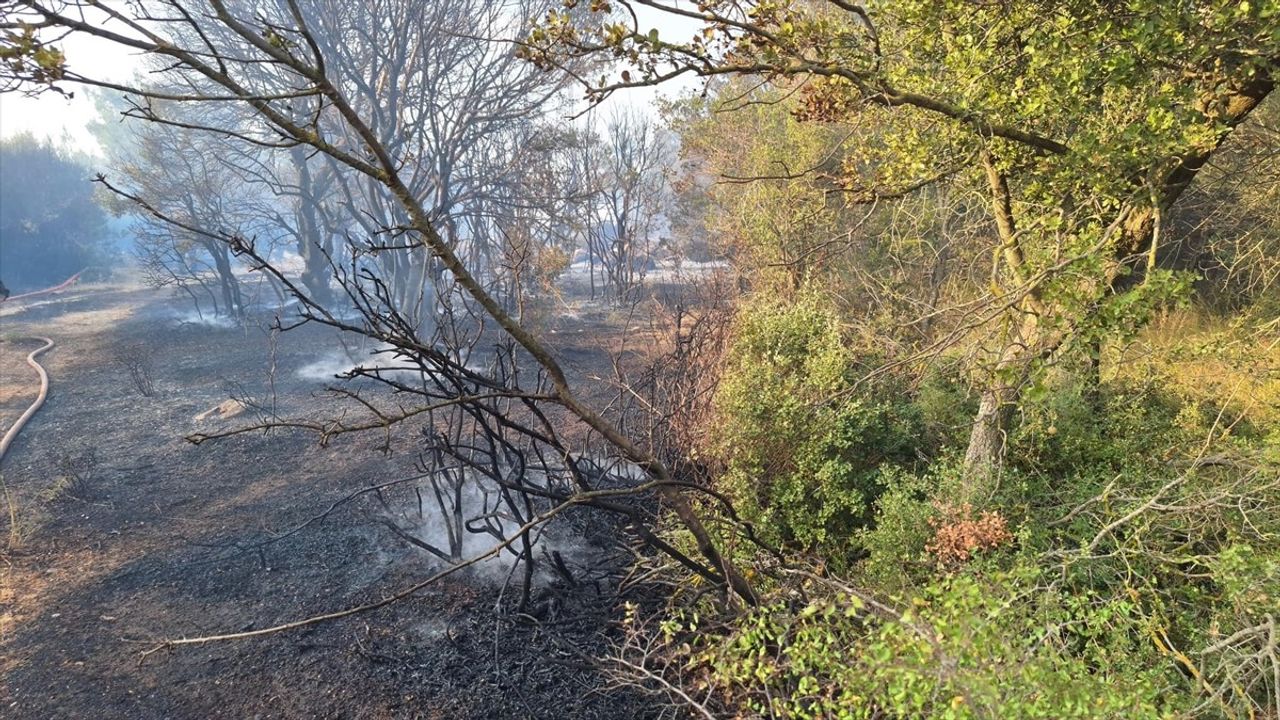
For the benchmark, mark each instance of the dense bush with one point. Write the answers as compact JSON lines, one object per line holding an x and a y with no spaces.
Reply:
{"x":1127,"y":567}
{"x":968,"y":646}
{"x":803,"y":451}
{"x":947,"y":406}
{"x":50,"y":223}
{"x":895,"y":545}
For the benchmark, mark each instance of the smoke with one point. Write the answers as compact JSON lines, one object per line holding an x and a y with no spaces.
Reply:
{"x":687,"y":271}
{"x":472,"y":518}
{"x":202,"y":320}
{"x":337,"y":364}
{"x":471,"y":515}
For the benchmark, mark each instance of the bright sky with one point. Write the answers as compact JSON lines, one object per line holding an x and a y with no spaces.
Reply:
{"x":65,"y":121}
{"x":62,"y":120}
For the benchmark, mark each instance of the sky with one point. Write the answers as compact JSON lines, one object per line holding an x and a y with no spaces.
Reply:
{"x":61,"y":120}
{"x":64,"y":122}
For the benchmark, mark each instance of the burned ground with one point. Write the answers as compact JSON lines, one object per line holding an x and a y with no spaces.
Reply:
{"x":163,"y":539}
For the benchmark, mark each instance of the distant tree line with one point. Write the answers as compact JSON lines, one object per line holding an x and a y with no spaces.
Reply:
{"x":51,"y":226}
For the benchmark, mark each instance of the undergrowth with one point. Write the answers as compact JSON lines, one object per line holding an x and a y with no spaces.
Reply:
{"x":1128,"y":565}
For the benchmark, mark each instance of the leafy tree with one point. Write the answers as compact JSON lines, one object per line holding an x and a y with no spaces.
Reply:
{"x":780,"y":209}
{"x":1128,"y":567}
{"x":51,"y":226}
{"x":1083,"y":122}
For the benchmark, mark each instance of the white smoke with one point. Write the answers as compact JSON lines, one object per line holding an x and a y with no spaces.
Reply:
{"x":202,"y":320}
{"x":431,"y":523}
{"x":339,"y":363}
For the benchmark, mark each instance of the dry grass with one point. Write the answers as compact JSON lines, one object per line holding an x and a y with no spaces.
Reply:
{"x":1232,"y":365}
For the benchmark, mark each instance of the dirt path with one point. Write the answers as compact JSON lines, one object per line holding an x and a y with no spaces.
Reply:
{"x":153,"y":541}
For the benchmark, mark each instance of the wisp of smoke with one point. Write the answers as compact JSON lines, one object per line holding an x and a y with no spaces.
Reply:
{"x":205,"y":320}
{"x":431,"y":522}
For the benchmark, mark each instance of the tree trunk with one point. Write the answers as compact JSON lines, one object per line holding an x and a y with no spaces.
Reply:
{"x":986,"y":442}
{"x":227,"y":280}
{"x":311,"y":242}
{"x":315,"y":264}
{"x":983,"y":456}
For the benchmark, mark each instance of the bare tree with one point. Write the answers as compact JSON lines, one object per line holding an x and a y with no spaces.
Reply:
{"x":306,"y":88}
{"x":181,"y":169}
{"x":626,"y":167}
{"x":444,"y":94}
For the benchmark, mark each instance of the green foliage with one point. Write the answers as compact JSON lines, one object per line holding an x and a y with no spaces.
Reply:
{"x":773,"y":226}
{"x":947,"y":406}
{"x":782,"y":227}
{"x":802,"y":450}
{"x":26,"y":61}
{"x":1118,"y":318}
{"x":50,"y":222}
{"x":967,"y":646}
{"x":1067,"y":425}
{"x":1186,"y":387}
{"x":1139,"y":472}
{"x":1167,"y":500}
{"x":1143,"y":583}
{"x":895,"y":546}
{"x":1249,"y":580}
{"x":1227,"y":367}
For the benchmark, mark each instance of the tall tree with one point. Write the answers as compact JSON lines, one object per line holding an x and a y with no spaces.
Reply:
{"x":443,"y":92}
{"x":50,"y":222}
{"x":185,"y":174}
{"x":1083,"y":121}
{"x":626,"y":166}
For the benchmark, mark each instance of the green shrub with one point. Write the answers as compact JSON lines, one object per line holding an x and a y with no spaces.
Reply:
{"x":1067,"y":426}
{"x":802,"y":452}
{"x":895,"y":544}
{"x":962,"y":647}
{"x":947,"y":407}
{"x":1142,"y":579}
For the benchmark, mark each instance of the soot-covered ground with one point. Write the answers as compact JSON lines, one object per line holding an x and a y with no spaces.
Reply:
{"x":161,"y":539}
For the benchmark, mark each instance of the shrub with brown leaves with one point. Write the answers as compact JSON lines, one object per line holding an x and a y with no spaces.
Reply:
{"x":958,"y":535}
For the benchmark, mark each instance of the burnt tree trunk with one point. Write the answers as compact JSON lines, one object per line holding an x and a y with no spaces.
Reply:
{"x":227,"y":281}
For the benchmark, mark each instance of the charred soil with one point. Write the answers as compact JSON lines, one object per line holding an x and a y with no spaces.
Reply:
{"x":125,"y":534}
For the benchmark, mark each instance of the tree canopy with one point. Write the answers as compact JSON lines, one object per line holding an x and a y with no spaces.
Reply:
{"x":51,"y":225}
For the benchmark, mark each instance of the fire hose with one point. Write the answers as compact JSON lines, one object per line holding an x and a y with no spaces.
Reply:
{"x":22,"y":420}
{"x":40,"y":398}
{"x":56,"y":288}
